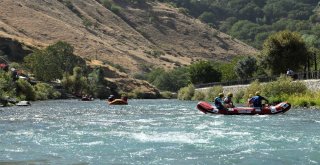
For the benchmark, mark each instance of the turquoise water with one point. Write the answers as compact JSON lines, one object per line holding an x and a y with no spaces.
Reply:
{"x":154,"y":132}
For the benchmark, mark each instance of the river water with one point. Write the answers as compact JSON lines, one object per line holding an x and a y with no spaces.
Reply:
{"x":154,"y":132}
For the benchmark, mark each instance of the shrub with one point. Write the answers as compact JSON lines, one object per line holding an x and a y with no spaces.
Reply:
{"x":115,"y":9}
{"x":183,"y":11}
{"x":51,"y":63}
{"x":198,"y":95}
{"x":7,"y":86}
{"x":168,"y":95}
{"x":282,"y":89}
{"x":186,"y":93}
{"x":239,"y":97}
{"x":140,"y":93}
{"x":203,"y":72}
{"x":253,"y":88}
{"x":101,"y":91}
{"x":304,"y":100}
{"x":213,"y":92}
{"x":25,"y":90}
{"x":284,"y":85}
{"x":45,"y":91}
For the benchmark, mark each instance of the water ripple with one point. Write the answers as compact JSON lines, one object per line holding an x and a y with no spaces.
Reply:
{"x":153,"y":132}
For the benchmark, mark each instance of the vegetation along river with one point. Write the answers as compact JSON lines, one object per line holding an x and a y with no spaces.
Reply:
{"x":153,"y":132}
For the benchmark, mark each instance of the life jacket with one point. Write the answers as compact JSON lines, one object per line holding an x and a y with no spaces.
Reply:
{"x":218,"y":103}
{"x":256,"y":101}
{"x":227,"y":100}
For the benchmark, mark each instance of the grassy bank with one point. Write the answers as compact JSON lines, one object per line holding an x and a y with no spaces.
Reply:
{"x":283,"y":89}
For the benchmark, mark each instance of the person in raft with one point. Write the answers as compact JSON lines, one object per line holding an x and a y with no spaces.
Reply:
{"x":218,"y":102}
{"x":228,"y":101}
{"x":250,"y":101}
{"x":124,"y":98}
{"x":257,"y":100}
{"x":111,"y":98}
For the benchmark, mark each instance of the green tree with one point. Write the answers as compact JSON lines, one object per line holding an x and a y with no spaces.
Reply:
{"x":207,"y":17}
{"x":25,"y":90}
{"x":227,"y":69}
{"x":246,"y":67}
{"x":79,"y":82}
{"x":45,"y":91}
{"x":284,"y":50}
{"x":244,"y":30}
{"x":186,"y":93}
{"x":203,"y":72}
{"x":52,"y":62}
{"x":7,"y":86}
{"x":152,"y":76}
{"x":98,"y":85}
{"x":169,"y":81}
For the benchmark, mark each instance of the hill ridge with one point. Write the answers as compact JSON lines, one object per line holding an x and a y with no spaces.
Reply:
{"x":137,"y":38}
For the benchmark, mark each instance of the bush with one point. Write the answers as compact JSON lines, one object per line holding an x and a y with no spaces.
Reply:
{"x":305,"y":100}
{"x":142,"y":94}
{"x":284,"y":85}
{"x":213,"y":92}
{"x":186,"y":93}
{"x":169,"y":81}
{"x":203,"y":72}
{"x":198,"y":95}
{"x":7,"y":86}
{"x":50,"y":64}
{"x":25,"y":90}
{"x":168,"y":95}
{"x":277,"y":91}
{"x":239,"y":97}
{"x":101,"y":91}
{"x":253,"y":88}
{"x":115,"y":9}
{"x":45,"y":91}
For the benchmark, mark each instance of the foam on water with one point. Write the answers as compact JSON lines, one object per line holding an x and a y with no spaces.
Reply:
{"x":171,"y":137}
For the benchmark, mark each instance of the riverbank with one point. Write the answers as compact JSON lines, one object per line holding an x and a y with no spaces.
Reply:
{"x":304,"y":93}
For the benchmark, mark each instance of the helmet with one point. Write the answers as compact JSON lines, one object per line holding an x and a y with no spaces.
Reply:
{"x":221,"y":94}
{"x":257,"y":93}
{"x":230,"y":94}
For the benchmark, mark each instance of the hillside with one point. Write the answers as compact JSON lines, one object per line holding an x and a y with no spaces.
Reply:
{"x":253,"y":21}
{"x":135,"y":39}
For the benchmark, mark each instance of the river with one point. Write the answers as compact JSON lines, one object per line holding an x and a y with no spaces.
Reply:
{"x":154,"y":132}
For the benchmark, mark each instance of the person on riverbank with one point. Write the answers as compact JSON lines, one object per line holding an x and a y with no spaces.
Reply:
{"x":228,"y":101}
{"x":257,"y":100}
{"x":218,"y":102}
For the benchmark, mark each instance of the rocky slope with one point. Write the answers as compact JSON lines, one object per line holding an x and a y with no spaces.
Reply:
{"x":136,"y":38}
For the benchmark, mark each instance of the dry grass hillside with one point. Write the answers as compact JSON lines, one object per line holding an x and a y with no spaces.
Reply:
{"x":136,"y":38}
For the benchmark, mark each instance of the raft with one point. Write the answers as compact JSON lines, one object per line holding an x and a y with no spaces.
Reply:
{"x":117,"y":102}
{"x":87,"y":99}
{"x":265,"y":110}
{"x":23,"y":103}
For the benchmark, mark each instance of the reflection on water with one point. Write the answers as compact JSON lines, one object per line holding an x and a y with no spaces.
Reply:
{"x":153,"y":132}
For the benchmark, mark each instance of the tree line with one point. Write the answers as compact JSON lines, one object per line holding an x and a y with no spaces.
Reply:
{"x":250,"y":21}
{"x":280,"y":51}
{"x":43,"y":68}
